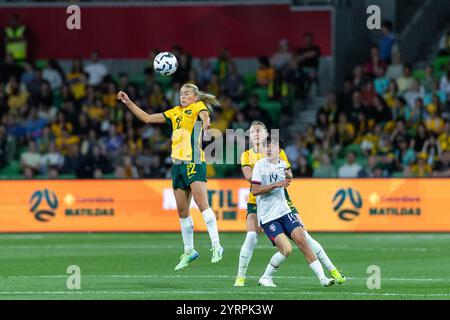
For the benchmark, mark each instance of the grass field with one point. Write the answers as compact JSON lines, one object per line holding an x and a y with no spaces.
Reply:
{"x":140,"y":266}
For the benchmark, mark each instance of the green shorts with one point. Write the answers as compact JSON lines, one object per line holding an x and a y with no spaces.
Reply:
{"x":251,"y":207}
{"x":185,"y":173}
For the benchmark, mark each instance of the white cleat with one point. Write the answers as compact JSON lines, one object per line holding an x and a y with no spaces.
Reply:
{"x":327,"y":282}
{"x":266,"y":282}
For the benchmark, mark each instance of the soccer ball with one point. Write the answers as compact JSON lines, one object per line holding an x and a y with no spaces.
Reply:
{"x":165,"y":63}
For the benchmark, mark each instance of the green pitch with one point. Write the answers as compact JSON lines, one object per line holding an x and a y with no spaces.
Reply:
{"x":140,"y":266}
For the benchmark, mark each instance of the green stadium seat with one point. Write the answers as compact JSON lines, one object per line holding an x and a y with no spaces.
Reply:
{"x":67,"y":176}
{"x":397,"y":174}
{"x":41,"y":64}
{"x":164,"y":82}
{"x":440,"y":65}
{"x":262,"y":94}
{"x":138,"y":79}
{"x":250,"y":81}
{"x":12,"y":169}
{"x":273,"y":108}
{"x":419,"y":74}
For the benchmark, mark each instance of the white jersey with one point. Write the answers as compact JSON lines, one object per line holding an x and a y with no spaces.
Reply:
{"x":271,"y":205}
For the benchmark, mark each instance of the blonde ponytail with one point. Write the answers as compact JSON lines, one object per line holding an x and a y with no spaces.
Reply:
{"x":208,"y":99}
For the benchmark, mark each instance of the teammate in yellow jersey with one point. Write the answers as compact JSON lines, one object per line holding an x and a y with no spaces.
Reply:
{"x":189,"y":168}
{"x":258,"y":134}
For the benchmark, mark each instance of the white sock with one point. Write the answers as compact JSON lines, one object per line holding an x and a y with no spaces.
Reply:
{"x":316,"y":267}
{"x":210,"y":220}
{"x":275,"y":262}
{"x":246,"y":252}
{"x":320,"y":252}
{"x":187,"y":232}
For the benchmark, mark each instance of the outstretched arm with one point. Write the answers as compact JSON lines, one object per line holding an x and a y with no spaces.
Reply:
{"x":258,"y":189}
{"x":138,"y":112}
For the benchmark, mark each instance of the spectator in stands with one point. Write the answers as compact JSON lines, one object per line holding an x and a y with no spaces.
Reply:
{"x":303,"y":169}
{"x":239,"y":121}
{"x":265,"y":73}
{"x":432,"y":148}
{"x":9,"y":69}
{"x":381,"y":82}
{"x":325,"y":170}
{"x":296,"y":80}
{"x":387,"y":41}
{"x":444,"y":44}
{"x":77,"y":79}
{"x":53,"y":74}
{"x":358,"y":77}
{"x":445,"y":83}
{"x":373,"y":66}
{"x":31,"y":160}
{"x":350,"y":169}
{"x":434,"y":123}
{"x":15,"y":38}
{"x":405,"y":82}
{"x":442,"y":167}
{"x":281,"y":58}
{"x":421,"y":169}
{"x":52,"y":159}
{"x":233,"y":85}
{"x":129,"y":168}
{"x":415,"y":92}
{"x":214,"y":85}
{"x":404,"y":154}
{"x":395,"y":69}
{"x":222,"y":64}
{"x":96,"y":70}
{"x":184,"y":64}
{"x":17,"y":95}
{"x":428,"y":80}
{"x":309,"y":54}
{"x":369,"y":170}
{"x":253,"y":111}
{"x":205,"y":72}
{"x":345,"y":129}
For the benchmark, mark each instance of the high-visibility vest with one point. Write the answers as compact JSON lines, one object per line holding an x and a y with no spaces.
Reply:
{"x":17,"y":48}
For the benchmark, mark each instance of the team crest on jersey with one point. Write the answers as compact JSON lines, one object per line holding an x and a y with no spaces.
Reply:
{"x":272,"y":227}
{"x":188,"y":111}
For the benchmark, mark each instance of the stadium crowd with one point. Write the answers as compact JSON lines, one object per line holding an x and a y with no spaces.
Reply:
{"x":388,"y":121}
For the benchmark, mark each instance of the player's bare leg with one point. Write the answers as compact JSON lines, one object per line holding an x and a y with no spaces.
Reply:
{"x":245,"y":255}
{"x":284,"y":250}
{"x":183,"y":200}
{"x":299,"y":237}
{"x":200,"y":194}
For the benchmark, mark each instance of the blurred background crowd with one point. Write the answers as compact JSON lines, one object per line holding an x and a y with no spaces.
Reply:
{"x":391,"y":119}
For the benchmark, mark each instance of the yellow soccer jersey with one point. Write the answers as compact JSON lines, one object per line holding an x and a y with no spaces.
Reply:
{"x":249,"y":158}
{"x":186,"y":134}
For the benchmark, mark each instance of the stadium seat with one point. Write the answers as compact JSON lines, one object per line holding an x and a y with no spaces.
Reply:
{"x":12,"y":169}
{"x":419,"y":74}
{"x":440,"y":65}
{"x":137,"y":79}
{"x":262,"y":94}
{"x":250,"y":81}
{"x":164,"y":82}
{"x":273,"y":108}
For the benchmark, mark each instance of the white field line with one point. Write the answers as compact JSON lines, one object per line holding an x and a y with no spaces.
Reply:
{"x":234,"y":292}
{"x":120,"y":276}
{"x":153,"y":246}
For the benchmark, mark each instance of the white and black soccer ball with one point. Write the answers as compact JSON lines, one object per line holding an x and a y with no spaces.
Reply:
{"x":165,"y":63}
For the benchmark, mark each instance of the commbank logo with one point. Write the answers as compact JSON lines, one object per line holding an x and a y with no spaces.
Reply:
{"x":347,"y":214}
{"x":41,"y":212}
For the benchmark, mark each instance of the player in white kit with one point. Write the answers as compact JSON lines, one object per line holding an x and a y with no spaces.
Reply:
{"x":270,"y":177}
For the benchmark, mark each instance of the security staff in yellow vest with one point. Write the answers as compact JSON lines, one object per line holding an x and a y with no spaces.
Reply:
{"x":15,"y":40}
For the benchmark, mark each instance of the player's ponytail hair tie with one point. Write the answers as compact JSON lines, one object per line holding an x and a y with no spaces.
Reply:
{"x":208,"y":99}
